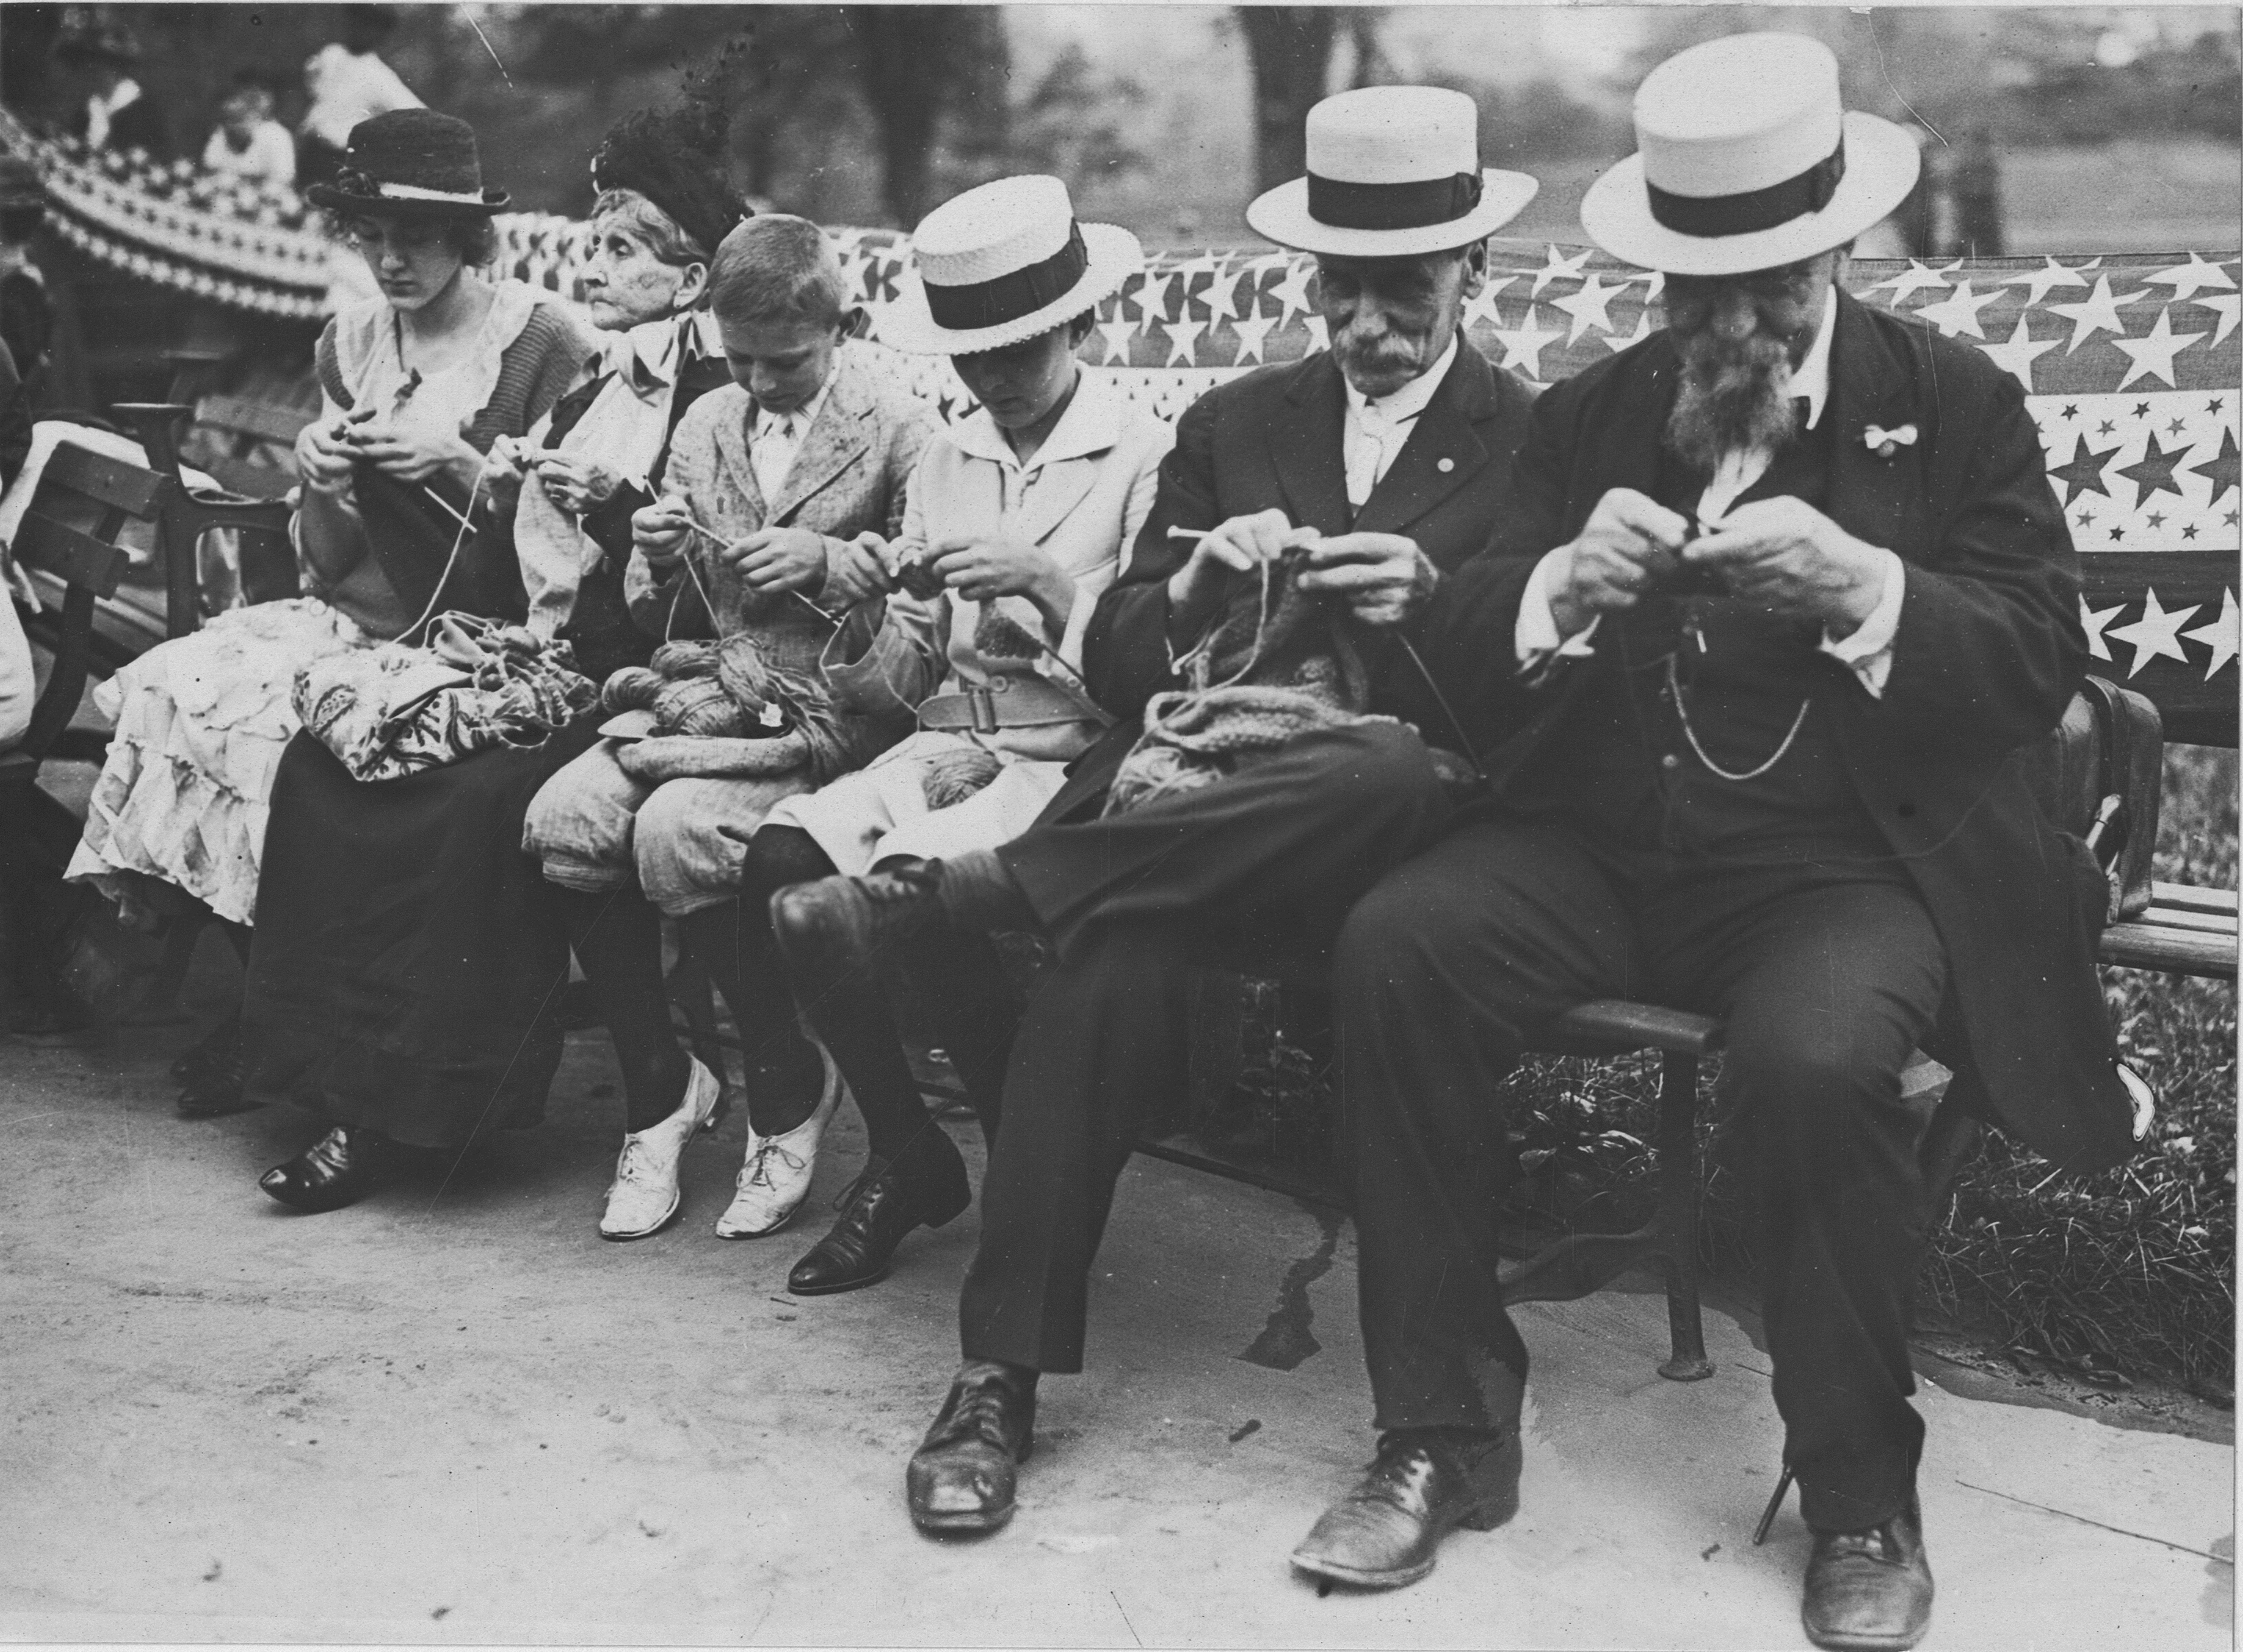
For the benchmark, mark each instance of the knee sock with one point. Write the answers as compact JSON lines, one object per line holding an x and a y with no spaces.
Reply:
{"x":978,"y":893}
{"x":617,"y":938}
{"x":733,"y":942}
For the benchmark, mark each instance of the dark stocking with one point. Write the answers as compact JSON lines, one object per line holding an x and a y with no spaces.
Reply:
{"x":958,"y":975}
{"x":618,"y":939}
{"x":733,"y":943}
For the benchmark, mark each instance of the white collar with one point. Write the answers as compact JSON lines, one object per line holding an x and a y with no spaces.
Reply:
{"x":1091,"y":424}
{"x":1811,"y":378}
{"x":650,"y":356}
{"x":1413,"y":397}
{"x":125,"y":94}
{"x":808,"y":412}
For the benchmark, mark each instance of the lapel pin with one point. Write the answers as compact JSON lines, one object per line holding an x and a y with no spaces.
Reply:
{"x":1883,"y":443}
{"x":1445,"y":466}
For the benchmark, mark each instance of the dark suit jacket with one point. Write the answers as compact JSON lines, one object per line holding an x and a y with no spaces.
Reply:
{"x":1989,"y":652}
{"x":1271,"y":439}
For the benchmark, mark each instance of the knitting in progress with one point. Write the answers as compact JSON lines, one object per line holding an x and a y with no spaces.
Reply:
{"x":1278,"y":663}
{"x":735,"y":714}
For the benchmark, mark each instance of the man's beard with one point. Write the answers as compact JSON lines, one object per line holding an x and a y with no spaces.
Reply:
{"x":1736,"y":398}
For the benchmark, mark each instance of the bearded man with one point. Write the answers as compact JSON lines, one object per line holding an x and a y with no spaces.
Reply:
{"x":1382,"y":461}
{"x":1774,"y":597}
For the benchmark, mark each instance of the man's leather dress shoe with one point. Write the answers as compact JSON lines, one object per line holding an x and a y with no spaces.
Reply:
{"x":1870,"y":1590}
{"x":1423,"y":1484}
{"x":961,"y":1478}
{"x":831,"y":928}
{"x":342,"y":1168}
{"x":923,"y":1186}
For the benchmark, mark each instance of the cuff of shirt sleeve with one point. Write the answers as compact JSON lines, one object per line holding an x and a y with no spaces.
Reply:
{"x":1535,"y":637}
{"x":1868,"y":650}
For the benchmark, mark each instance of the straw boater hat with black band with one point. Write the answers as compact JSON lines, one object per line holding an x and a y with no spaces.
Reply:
{"x":1393,"y":171}
{"x":1003,"y":263}
{"x":411,"y":163}
{"x":1747,"y":160}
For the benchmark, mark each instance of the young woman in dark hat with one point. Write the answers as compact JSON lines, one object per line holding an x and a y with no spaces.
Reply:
{"x":402,"y":990}
{"x":416,"y":387}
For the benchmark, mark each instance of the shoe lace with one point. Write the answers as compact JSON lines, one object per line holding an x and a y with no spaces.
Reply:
{"x":636,"y":1164}
{"x":757,"y":1172}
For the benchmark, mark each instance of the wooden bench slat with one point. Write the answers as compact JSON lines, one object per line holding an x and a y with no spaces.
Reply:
{"x":2190,"y":898}
{"x":112,"y":482}
{"x":258,"y":419}
{"x":1615,"y":1025}
{"x":2210,"y":923}
{"x":2141,"y":946}
{"x":70,"y":555}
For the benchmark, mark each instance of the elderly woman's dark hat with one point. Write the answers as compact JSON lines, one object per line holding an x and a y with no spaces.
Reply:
{"x":412,"y":163}
{"x":672,"y":158}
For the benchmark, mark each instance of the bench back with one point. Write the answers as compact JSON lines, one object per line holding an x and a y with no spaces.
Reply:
{"x":70,"y":531}
{"x":247,"y":446}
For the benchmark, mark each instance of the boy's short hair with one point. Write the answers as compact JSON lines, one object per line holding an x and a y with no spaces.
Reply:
{"x":777,"y":267}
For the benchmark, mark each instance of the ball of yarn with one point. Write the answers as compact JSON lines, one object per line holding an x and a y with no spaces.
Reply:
{"x":953,"y":776}
{"x":677,"y":661}
{"x":698,"y":706}
{"x":631,"y":689}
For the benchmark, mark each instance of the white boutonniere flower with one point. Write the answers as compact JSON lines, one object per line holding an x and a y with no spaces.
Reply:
{"x":1883,"y":443}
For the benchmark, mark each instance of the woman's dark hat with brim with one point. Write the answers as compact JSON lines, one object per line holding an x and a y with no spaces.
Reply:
{"x":411,"y":163}
{"x":671,"y":159}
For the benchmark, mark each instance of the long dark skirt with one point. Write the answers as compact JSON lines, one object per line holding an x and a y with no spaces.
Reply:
{"x":409,"y":957}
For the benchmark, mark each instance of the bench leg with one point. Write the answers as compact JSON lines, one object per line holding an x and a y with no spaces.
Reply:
{"x":1679,"y":1196}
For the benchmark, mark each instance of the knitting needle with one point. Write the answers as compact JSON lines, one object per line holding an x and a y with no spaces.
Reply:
{"x":717,"y":539}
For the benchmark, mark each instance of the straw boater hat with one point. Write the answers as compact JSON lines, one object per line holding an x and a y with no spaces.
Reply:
{"x":1745,"y":160}
{"x":1393,"y":171}
{"x":1003,"y":263}
{"x":411,"y":163}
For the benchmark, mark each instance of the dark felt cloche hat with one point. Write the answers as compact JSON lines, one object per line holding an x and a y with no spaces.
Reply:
{"x":672,"y":158}
{"x":410,"y":163}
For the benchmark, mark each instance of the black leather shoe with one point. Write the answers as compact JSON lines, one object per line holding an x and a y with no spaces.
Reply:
{"x":831,"y":929}
{"x":961,"y":1477}
{"x":342,"y":1168}
{"x":1870,"y":1590}
{"x":215,"y":1051}
{"x":923,"y":1186}
{"x":1423,"y":1484}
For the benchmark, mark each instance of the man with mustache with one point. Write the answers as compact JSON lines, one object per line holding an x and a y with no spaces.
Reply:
{"x":1774,"y":597}
{"x":1382,"y":459}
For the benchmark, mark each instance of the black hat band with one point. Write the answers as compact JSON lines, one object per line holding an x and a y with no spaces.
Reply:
{"x":1012,"y":295}
{"x":1754,"y":209}
{"x":1420,"y":204}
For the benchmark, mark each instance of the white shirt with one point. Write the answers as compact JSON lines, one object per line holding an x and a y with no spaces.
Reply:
{"x":345,"y":88}
{"x":98,"y":110}
{"x":270,"y":154}
{"x":1374,"y":431}
{"x":775,"y":438}
{"x":1866,"y":650}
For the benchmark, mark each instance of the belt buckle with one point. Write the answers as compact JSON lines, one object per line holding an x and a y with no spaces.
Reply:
{"x":981,"y":700}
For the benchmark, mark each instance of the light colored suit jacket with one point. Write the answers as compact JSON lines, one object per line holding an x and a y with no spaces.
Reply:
{"x":846,"y":485}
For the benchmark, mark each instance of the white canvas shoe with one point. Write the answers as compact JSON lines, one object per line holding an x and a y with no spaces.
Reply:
{"x":643,"y":1197}
{"x":777,"y":1173}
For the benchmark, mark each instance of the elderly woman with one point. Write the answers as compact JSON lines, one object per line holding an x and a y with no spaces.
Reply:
{"x":405,"y":969}
{"x":416,"y":386}
{"x":1019,"y":517}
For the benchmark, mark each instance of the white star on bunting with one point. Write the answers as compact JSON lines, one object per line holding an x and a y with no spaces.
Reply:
{"x":1615,"y":343}
{"x":1912,"y":277}
{"x":1587,"y":306}
{"x":2154,"y":351}
{"x":2225,"y":307}
{"x":1118,"y":333}
{"x":1252,"y":330}
{"x":1319,"y":332}
{"x":1152,"y":298}
{"x":2185,"y":278}
{"x":2156,"y":635}
{"x":1292,"y":293}
{"x":2040,"y":280}
{"x":2097,"y":313}
{"x":2016,"y":357}
{"x":2092,"y":620}
{"x":2218,"y":634}
{"x":1181,"y":335}
{"x":1525,"y":343}
{"x":1957,"y":313}
{"x":1559,"y":267}
{"x":1481,"y":306}
{"x":1221,"y":296}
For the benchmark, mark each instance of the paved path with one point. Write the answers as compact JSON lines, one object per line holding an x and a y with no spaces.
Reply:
{"x":452,"y":1413}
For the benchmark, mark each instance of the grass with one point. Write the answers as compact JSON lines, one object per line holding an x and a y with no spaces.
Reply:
{"x":2131,"y":1269}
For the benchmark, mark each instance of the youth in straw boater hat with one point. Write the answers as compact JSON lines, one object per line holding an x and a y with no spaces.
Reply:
{"x":1747,"y":160}
{"x":1392,"y":171}
{"x":1003,"y":263}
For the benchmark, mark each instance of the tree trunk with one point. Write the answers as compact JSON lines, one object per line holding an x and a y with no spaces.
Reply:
{"x":1290,"y":47}
{"x":900,"y":53}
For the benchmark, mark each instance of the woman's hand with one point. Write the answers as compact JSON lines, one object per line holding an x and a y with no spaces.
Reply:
{"x":660,"y":531}
{"x":325,"y":456}
{"x":413,"y":455}
{"x":504,"y":467}
{"x":981,"y":567}
{"x":575,"y":484}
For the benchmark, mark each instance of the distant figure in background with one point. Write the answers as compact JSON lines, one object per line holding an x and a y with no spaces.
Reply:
{"x":347,"y":83}
{"x":1975,"y":181}
{"x":26,"y":315}
{"x":117,"y":114}
{"x":248,"y":141}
